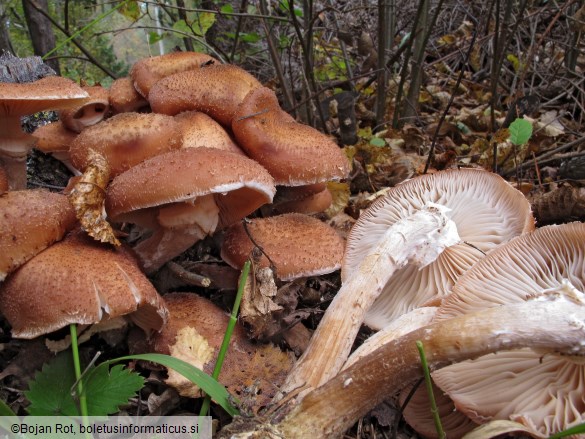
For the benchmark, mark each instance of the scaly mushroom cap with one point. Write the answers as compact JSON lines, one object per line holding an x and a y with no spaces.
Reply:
{"x":146,"y":72}
{"x":91,"y":111}
{"x":486,"y":210}
{"x":50,"y":93}
{"x":216,"y":90}
{"x":124,"y":98}
{"x":126,"y":140}
{"x":79,"y":280}
{"x":31,"y":221}
{"x":239,"y":184}
{"x":294,"y":154}
{"x":541,"y":390}
{"x":199,"y":129}
{"x":299,"y":245}
{"x":183,"y":196}
{"x":195,"y":333}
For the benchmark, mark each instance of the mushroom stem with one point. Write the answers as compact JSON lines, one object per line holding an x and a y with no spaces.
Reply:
{"x":14,"y":148}
{"x":331,"y":409}
{"x":419,"y":239}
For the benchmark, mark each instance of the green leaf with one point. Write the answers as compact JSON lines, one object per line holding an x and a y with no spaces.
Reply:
{"x":520,"y":131}
{"x":155,"y":37}
{"x":202,"y":24}
{"x":181,"y":26}
{"x":250,"y":38}
{"x":107,"y":389}
{"x":227,"y":9}
{"x":376,"y":141}
{"x":5,"y":410}
{"x":130,"y":10}
{"x":209,"y":385}
{"x":49,"y":393}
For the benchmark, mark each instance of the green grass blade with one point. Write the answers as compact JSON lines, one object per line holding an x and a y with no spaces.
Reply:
{"x":577,"y":429}
{"x":5,"y":410}
{"x":208,"y":384}
{"x":429,"y":385}
{"x":228,"y":334}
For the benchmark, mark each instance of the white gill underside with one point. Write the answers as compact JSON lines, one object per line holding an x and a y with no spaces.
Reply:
{"x":419,"y":239}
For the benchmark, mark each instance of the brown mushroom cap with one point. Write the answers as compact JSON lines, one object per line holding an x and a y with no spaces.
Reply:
{"x":195,"y":332}
{"x":298,"y":245}
{"x":55,"y":139}
{"x":309,"y":199}
{"x":199,"y":130}
{"x":240,"y":185}
{"x":294,"y":154}
{"x":183,"y":196}
{"x":78,"y":280}
{"x":486,"y":210}
{"x":146,"y":72}
{"x":126,"y":139}
{"x":91,"y":111}
{"x":216,"y":90}
{"x":541,"y":390}
{"x":31,"y":221}
{"x":124,"y":98}
{"x":50,"y":93}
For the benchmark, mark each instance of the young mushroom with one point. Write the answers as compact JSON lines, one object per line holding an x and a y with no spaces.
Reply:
{"x":17,"y":100}
{"x":540,"y":389}
{"x":298,"y":245}
{"x":55,"y":139}
{"x":91,"y":111}
{"x":79,"y":280}
{"x":124,"y":98}
{"x":184,"y":195}
{"x":406,"y":249}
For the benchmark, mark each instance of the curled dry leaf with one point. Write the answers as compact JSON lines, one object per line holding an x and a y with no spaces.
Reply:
{"x":258,"y":303}
{"x":88,"y":197}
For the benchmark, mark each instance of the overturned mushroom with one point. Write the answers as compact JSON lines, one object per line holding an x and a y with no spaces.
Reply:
{"x":185,"y":195}
{"x":78,"y":280}
{"x":425,"y":232}
{"x":328,"y":411}
{"x":540,"y":389}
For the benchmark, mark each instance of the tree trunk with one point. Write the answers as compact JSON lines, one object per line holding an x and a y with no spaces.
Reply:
{"x":5,"y":43}
{"x":40,"y":30}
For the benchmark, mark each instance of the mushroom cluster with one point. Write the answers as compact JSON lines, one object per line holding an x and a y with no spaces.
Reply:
{"x":171,"y":154}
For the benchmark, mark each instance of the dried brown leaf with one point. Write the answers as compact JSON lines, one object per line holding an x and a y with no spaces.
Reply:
{"x":88,"y":197}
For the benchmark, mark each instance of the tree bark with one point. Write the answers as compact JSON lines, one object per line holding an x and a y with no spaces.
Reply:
{"x":40,"y":30}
